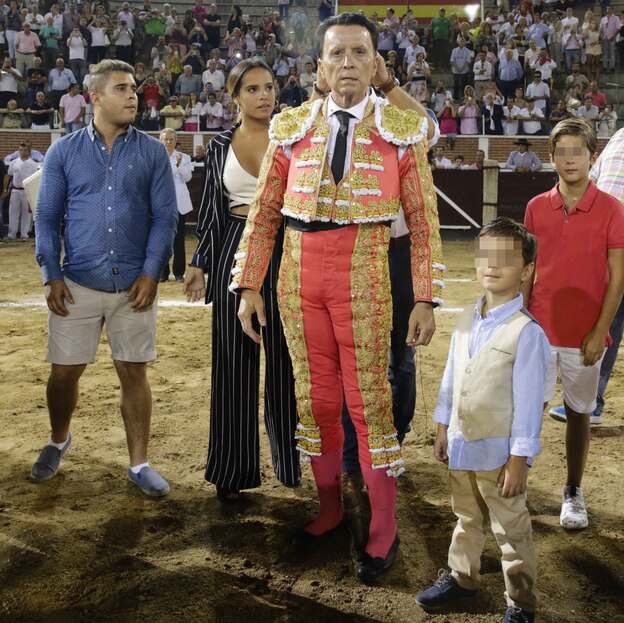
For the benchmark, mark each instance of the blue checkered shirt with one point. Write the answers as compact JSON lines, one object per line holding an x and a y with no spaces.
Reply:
{"x":119,"y":210}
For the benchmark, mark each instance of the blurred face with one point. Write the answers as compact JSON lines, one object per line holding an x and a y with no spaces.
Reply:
{"x":116,"y":102}
{"x":173,"y":101}
{"x":24,"y":152}
{"x":60,"y":64}
{"x":256,"y":97}
{"x":40,"y":98}
{"x":348,"y":62}
{"x":500,"y":265}
{"x":168,"y":139}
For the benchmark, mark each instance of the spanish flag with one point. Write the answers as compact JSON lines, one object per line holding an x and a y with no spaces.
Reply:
{"x":423,"y":10}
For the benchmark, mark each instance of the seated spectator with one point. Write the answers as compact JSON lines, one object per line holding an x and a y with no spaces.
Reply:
{"x":417,"y":75}
{"x":460,"y":163}
{"x":173,"y":114}
{"x":532,"y":118}
{"x":468,"y":114}
{"x":214,"y":76}
{"x":538,"y":92}
{"x":213,"y":113}
{"x":589,"y":112}
{"x":448,"y":118}
{"x":292,"y":94}
{"x":59,"y":80}
{"x":307,"y":79}
{"x":40,"y":113}
{"x":599,"y":99}
{"x":439,"y":96}
{"x":483,"y":73}
{"x":12,"y":116}
{"x":523,"y":160}
{"x":440,"y":161}
{"x":187,"y":83}
{"x":72,"y":110}
{"x":607,"y":122}
{"x":493,"y":115}
{"x":559,"y":113}
{"x":479,"y":160}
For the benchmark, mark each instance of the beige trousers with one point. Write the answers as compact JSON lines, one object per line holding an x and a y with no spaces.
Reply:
{"x":477,"y":501}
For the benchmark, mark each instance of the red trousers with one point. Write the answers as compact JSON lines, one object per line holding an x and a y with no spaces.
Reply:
{"x":336,"y":306}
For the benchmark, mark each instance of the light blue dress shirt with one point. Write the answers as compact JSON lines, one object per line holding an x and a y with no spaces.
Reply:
{"x":528,"y":378}
{"x":119,"y":210}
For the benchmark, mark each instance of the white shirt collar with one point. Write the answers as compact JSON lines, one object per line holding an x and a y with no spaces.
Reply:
{"x":357,"y":111}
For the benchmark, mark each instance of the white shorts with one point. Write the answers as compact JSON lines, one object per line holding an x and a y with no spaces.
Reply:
{"x":579,"y":382}
{"x":74,"y":339}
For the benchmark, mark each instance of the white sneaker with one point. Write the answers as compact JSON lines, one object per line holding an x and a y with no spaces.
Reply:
{"x":559,"y":414}
{"x":573,"y":512}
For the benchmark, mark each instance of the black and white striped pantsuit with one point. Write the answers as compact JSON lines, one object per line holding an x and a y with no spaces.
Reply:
{"x":234,"y":447}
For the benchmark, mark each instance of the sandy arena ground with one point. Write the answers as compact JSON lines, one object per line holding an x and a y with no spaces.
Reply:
{"x":87,"y":546}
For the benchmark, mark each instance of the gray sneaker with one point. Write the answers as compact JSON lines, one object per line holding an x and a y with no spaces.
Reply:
{"x":150,"y":482}
{"x":46,"y":466}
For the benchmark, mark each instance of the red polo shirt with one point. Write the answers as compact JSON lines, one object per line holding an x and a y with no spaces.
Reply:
{"x":572,"y":272}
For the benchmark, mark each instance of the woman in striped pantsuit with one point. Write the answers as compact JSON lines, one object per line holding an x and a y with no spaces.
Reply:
{"x":232,"y":163}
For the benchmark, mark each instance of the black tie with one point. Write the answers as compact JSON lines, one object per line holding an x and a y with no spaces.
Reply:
{"x":340,"y":148}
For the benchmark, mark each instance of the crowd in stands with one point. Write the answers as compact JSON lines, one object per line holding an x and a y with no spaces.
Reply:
{"x":504,"y":69}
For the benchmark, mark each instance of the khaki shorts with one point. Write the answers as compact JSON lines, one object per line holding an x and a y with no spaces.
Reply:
{"x":74,"y":339}
{"x":579,"y":382}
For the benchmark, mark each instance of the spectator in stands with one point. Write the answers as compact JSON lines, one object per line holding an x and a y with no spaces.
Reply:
{"x":77,"y":47}
{"x":123,"y":39}
{"x":212,"y":25}
{"x":461,"y":64}
{"x":544,"y":65}
{"x":299,"y":22}
{"x":99,"y":41}
{"x":213,"y":76}
{"x":307,"y":79}
{"x":486,"y":37}
{"x":441,"y":37}
{"x":59,"y":81}
{"x":511,"y":124}
{"x":492,"y":114}
{"x":440,"y":161}
{"x":539,"y":93}
{"x":510,"y":73}
{"x":36,"y":79}
{"x":479,"y":160}
{"x":531,"y":55}
{"x":50,"y":36}
{"x":126,"y":15}
{"x":572,"y":45}
{"x":150,"y":91}
{"x":236,"y":19}
{"x":593,"y":50}
{"x":589,"y":112}
{"x":577,"y":78}
{"x":598,"y":97}
{"x":40,"y":113}
{"x":326,"y":9}
{"x":173,"y":114}
{"x":27,"y":44}
{"x":9,"y":80}
{"x":532,"y":118}
{"x":559,"y":113}
{"x":292,"y":94}
{"x":272,"y":50}
{"x":72,"y":110}
{"x":607,"y":122}
{"x":12,"y":116}
{"x":195,"y":120}
{"x":187,"y":83}
{"x":448,"y":118}
{"x":13,"y":24}
{"x":523,"y":160}
{"x":483,"y":73}
{"x":439,"y":96}
{"x":417,"y":76}
{"x":610,"y":26}
{"x":570,"y":20}
{"x":460,"y":163}
{"x":213,"y":112}
{"x":468,"y":114}
{"x":386,"y":41}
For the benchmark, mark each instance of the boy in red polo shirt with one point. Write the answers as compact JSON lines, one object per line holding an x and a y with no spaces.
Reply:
{"x":577,"y":288}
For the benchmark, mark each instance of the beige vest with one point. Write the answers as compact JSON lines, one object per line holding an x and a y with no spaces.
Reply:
{"x":482,"y":386}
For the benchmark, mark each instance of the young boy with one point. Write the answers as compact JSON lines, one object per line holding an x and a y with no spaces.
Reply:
{"x":489,"y":416}
{"x":578,"y":285}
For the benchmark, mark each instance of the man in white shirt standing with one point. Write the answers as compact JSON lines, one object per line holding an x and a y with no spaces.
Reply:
{"x":570,"y":20}
{"x":532,"y":118}
{"x":126,"y":15}
{"x":213,"y":112}
{"x":182,"y":169}
{"x":214,"y":76}
{"x":20,"y":218}
{"x":538,"y":92}
{"x":482,"y":70}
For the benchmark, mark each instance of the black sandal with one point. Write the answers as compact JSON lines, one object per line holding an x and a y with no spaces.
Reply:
{"x":228,"y":495}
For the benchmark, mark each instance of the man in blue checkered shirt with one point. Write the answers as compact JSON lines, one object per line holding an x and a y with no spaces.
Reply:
{"x":112,"y":188}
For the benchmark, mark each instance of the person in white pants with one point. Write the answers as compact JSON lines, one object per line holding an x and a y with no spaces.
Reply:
{"x":19,"y":210}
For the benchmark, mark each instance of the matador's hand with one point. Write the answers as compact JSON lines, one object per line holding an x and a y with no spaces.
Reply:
{"x":421,"y":325}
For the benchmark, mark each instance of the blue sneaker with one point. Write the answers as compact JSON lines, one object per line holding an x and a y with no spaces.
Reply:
{"x":150,"y":482}
{"x":47,"y":464}
{"x":559,"y":414}
{"x":444,"y":592}
{"x":518,"y":615}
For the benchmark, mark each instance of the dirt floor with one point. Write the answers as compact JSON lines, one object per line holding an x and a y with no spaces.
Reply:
{"x":87,"y":546}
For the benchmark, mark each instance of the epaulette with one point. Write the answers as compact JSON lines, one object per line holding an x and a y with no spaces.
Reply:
{"x":291,"y":125}
{"x":400,"y":127}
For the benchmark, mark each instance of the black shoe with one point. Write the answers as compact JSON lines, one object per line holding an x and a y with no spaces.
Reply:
{"x":518,"y":615}
{"x":369,"y":569}
{"x":304,"y":539}
{"x":228,"y":495}
{"x":164,"y":279}
{"x":179,"y":279}
{"x":444,"y":593}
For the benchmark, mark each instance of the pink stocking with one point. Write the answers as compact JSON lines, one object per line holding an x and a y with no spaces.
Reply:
{"x":326,"y":470}
{"x":382,"y":496}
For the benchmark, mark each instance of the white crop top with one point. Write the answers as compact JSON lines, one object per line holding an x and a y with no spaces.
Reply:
{"x":239,"y":185}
